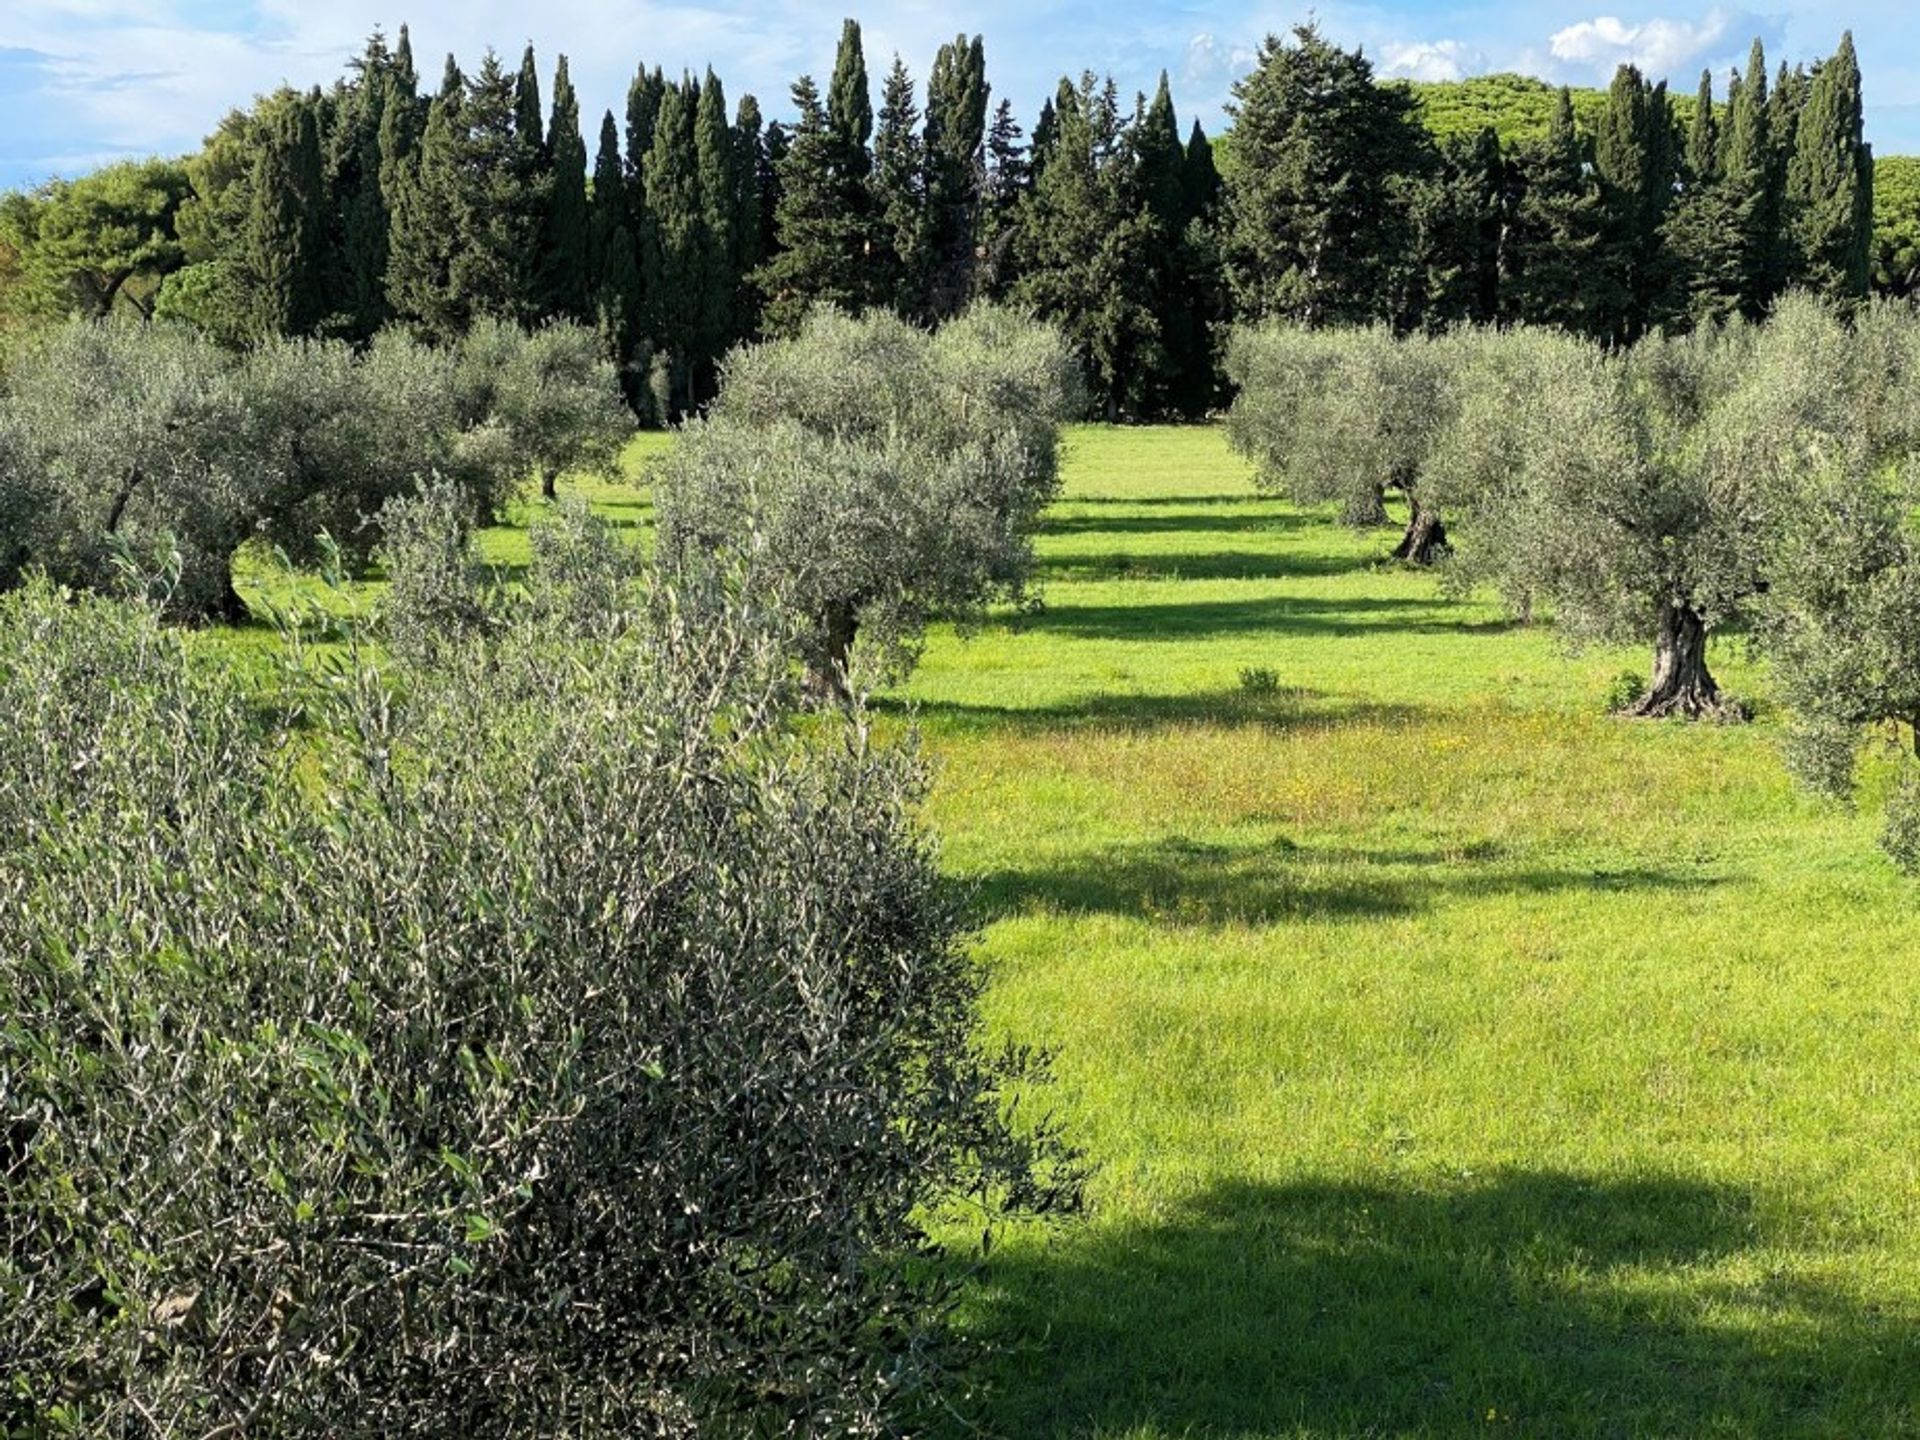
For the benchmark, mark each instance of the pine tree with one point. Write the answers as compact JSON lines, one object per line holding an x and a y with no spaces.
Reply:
{"x":902,"y":268}
{"x":957,"y":94}
{"x":1316,"y":221}
{"x":566,"y":278}
{"x":1830,"y":182}
{"x":1551,"y":254}
{"x":284,"y":251}
{"x":1203,"y":175}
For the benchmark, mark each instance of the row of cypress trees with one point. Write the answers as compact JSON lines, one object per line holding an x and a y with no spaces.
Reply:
{"x":687,"y":226}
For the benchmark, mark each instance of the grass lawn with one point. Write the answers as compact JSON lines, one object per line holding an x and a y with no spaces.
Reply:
{"x":1456,"y":1059}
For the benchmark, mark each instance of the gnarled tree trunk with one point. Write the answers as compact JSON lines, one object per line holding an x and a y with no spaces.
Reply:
{"x":1682,"y":685}
{"x":549,"y":484}
{"x":1426,"y":537}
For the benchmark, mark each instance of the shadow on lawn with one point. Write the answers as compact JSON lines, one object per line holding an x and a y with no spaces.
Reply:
{"x":1194,"y":883}
{"x":1526,"y":1303}
{"x":1213,"y":565}
{"x":1155,"y":524}
{"x":1270,"y":614}
{"x":1290,"y":709}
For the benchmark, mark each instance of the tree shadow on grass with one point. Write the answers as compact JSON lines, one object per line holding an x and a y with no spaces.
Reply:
{"x":1189,"y":882}
{"x":1290,"y":708}
{"x":1523,"y":1303}
{"x":1191,"y":620}
{"x":1173,"y":524}
{"x":1215,"y":565}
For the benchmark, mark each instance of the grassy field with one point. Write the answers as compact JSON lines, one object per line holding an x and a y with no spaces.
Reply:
{"x":1456,"y":1059}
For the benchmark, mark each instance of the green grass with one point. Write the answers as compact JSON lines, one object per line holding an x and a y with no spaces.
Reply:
{"x":1456,"y":1059}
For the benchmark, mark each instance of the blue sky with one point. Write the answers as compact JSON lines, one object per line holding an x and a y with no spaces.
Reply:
{"x":82,"y":81}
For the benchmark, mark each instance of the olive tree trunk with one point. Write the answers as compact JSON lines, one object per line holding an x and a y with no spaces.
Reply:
{"x":1682,"y":685}
{"x":549,"y":484}
{"x":1426,"y":537}
{"x":827,"y":674}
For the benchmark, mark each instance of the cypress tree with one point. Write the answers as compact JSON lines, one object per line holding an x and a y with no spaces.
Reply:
{"x":1634,"y":161}
{"x":850,"y":106}
{"x":1748,"y":170}
{"x":1086,"y":249}
{"x":957,"y":94}
{"x":902,"y":268}
{"x":1711,"y":248}
{"x":1453,"y":276}
{"x":1046,"y":134}
{"x":713,"y":143}
{"x":1830,"y":182}
{"x":566,"y":274}
{"x":675,"y":273}
{"x":500,"y":198}
{"x":424,"y":184}
{"x":357,"y":180}
{"x":614,"y":260}
{"x":285,"y":245}
{"x":1552,"y":253}
{"x":1202,"y":175}
{"x":1159,"y":186}
{"x":750,"y":234}
{"x":526,"y":103}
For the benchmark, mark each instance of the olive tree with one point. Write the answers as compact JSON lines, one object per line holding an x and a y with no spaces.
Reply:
{"x":1345,"y":416}
{"x":552,"y":393}
{"x":872,"y":476}
{"x":559,"y":1042}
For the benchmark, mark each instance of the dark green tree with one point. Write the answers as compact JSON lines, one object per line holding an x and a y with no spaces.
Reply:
{"x":902,"y":260}
{"x":716,"y":162}
{"x":1086,"y":251}
{"x":614,"y":261}
{"x":1633,"y":158}
{"x":750,"y":234}
{"x":1008,"y":180}
{"x":1316,"y":218}
{"x":566,"y":277}
{"x":1452,"y":275}
{"x":957,"y":94}
{"x":1830,"y":183}
{"x":526,"y":103}
{"x":675,"y":273}
{"x":284,"y":251}
{"x":1550,"y":258}
{"x":820,"y":250}
{"x":1708,"y":236}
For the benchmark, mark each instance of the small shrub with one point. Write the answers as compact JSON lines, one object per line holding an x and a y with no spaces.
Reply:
{"x":1625,"y":690}
{"x":1260,"y":683}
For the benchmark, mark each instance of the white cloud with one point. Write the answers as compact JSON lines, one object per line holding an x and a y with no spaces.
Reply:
{"x":1210,"y":60}
{"x":1432,"y":60}
{"x":1659,"y":46}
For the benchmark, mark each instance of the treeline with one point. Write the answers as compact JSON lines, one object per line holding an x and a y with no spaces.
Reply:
{"x":685,"y":226}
